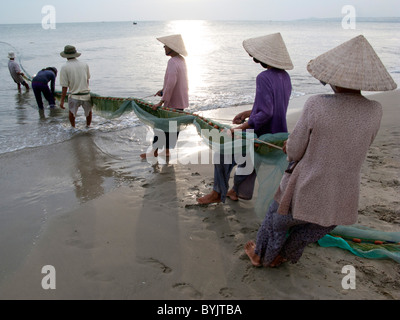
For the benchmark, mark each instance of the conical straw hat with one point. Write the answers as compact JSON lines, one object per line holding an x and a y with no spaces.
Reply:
{"x":175,"y":42}
{"x":353,"y":65}
{"x":270,"y":49}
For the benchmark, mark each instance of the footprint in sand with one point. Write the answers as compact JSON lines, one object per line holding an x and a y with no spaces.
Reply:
{"x":188,"y":290}
{"x":156,"y":263}
{"x":195,"y":206}
{"x":226,"y":292}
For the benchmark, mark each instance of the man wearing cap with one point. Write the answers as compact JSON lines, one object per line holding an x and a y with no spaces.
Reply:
{"x":75,"y":75}
{"x":16,"y":72}
{"x":175,"y":92}
{"x":326,"y":148}
{"x":268,"y":115}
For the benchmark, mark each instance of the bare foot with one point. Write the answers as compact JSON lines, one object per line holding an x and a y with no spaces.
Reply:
{"x":254,"y":258}
{"x":163,"y":154}
{"x":155,"y":154}
{"x":149,"y":155}
{"x":144,"y":156}
{"x":212,"y":197}
{"x":232,"y":195}
{"x":277,"y":261}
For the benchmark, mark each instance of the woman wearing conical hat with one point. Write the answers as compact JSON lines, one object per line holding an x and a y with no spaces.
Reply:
{"x":326,"y":150}
{"x":175,"y":92}
{"x":268,"y":115}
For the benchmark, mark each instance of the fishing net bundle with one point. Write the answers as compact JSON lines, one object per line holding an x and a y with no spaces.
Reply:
{"x":364,"y":242}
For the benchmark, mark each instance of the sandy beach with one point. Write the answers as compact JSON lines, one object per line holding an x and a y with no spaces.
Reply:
{"x":146,"y":238}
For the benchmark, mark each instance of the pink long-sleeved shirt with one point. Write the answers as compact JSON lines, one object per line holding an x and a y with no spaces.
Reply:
{"x":330,"y":142}
{"x":176,"y":87}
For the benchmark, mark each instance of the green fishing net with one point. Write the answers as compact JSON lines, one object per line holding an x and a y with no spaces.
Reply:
{"x":364,"y":242}
{"x":165,"y":119}
{"x":268,"y":159}
{"x":270,"y":164}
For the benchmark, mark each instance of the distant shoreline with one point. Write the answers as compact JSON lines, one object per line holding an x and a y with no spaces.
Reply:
{"x":337,"y":19}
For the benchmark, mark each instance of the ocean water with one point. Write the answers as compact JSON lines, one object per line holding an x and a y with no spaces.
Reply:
{"x":126,"y":60}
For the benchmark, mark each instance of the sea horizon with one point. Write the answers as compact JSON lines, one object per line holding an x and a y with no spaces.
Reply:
{"x":359,"y":19}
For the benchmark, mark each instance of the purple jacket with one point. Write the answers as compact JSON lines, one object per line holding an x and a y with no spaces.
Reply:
{"x":271,"y":102}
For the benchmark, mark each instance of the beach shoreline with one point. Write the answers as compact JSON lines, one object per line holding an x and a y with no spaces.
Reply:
{"x":145,"y":237}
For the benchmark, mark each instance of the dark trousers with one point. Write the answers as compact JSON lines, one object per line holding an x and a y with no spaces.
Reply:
{"x":39,"y":89}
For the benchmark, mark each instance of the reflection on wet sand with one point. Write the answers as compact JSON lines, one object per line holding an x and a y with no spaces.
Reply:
{"x":22,"y":101}
{"x":89,"y":168}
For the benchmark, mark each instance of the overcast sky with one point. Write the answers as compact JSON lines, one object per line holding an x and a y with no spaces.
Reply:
{"x":30,"y":11}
